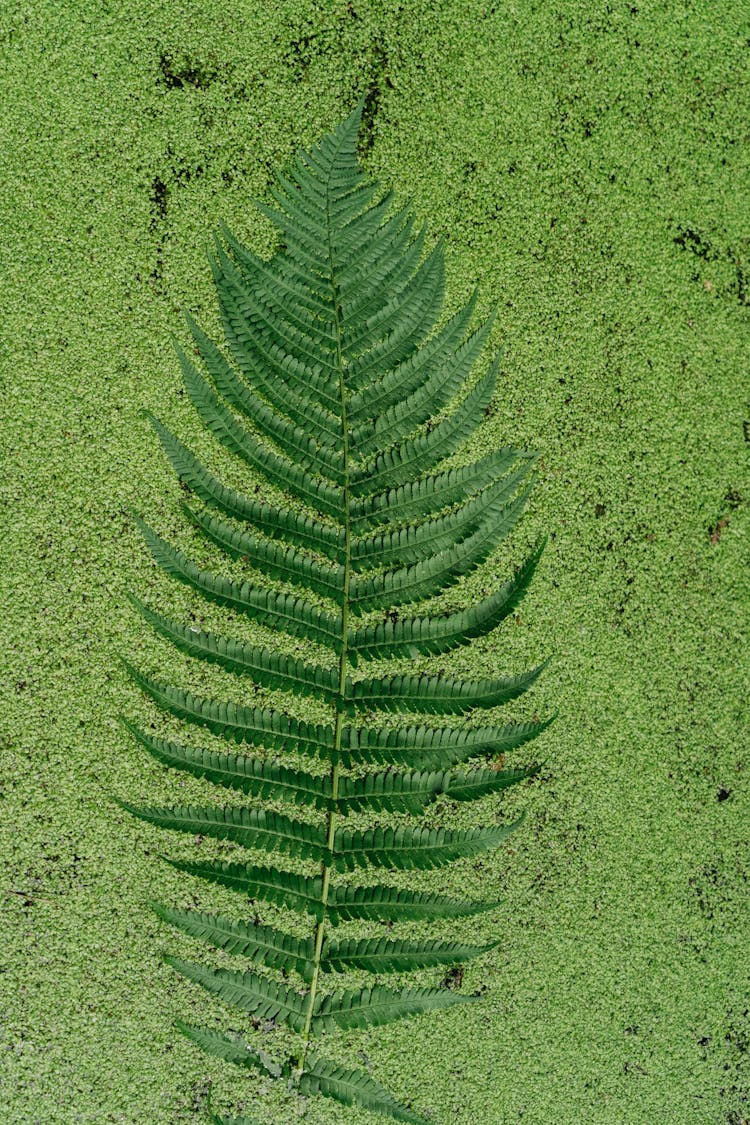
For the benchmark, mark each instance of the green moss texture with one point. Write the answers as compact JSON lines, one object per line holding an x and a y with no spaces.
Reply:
{"x":589,"y":167}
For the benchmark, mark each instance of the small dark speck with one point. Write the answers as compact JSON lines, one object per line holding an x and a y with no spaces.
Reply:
{"x":633,"y":1029}
{"x":723,"y":794}
{"x":454,"y":978}
{"x":600,"y":509}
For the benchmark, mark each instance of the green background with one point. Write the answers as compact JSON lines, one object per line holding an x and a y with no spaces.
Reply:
{"x":589,"y":166}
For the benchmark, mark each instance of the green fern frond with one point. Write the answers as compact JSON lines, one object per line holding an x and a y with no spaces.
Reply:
{"x":283,"y":888}
{"x":339,"y":386}
{"x":258,"y":726}
{"x":293,"y":615}
{"x":344,"y":903}
{"x":415,"y":543}
{"x":413,"y":848}
{"x":256,"y":776}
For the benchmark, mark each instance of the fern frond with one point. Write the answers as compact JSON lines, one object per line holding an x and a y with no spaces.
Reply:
{"x":416,"y":288}
{"x":341,"y":385}
{"x":411,"y":636}
{"x":292,"y":384}
{"x":433,"y":747}
{"x":437,"y":695}
{"x":379,"y":903}
{"x":420,"y":580}
{"x":405,"y":415}
{"x":410,"y":792}
{"x":285,"y":563}
{"x":256,"y":776}
{"x":383,"y":955}
{"x":283,"y":888}
{"x":275,"y":467}
{"x":320,"y":456}
{"x":345,"y":903}
{"x":406,"y":460}
{"x":430,"y":494}
{"x":417,"y":542}
{"x":231,"y":1049}
{"x":401,"y":383}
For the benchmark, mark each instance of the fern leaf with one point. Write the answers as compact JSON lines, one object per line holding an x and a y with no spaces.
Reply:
{"x":265,"y":667}
{"x":284,"y":563}
{"x":383,"y":955}
{"x":256,"y":776}
{"x":430,"y":494}
{"x":407,"y":414}
{"x":353,"y":1087}
{"x":255,"y":725}
{"x":251,"y":828}
{"x":278,"y":611}
{"x":278,"y":469}
{"x":477,"y":783}
{"x":398,"y":385}
{"x":283,"y":888}
{"x":277,"y":523}
{"x":254,"y":994}
{"x":340,"y":384}
{"x":433,"y":747}
{"x":260,"y":944}
{"x":413,"y":848}
{"x":293,"y":385}
{"x":370,"y":1007}
{"x":410,"y":792}
{"x":411,"y":458}
{"x":417,"y":542}
{"x":321,"y":457}
{"x":345,"y":903}
{"x":438,"y":695}
{"x":411,"y":636}
{"x":420,"y":580}
{"x":416,"y":288}
{"x":229,"y":1048}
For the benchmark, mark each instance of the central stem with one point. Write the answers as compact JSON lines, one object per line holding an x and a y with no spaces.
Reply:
{"x":326,"y":868}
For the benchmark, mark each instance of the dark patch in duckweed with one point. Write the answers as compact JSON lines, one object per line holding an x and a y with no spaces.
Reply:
{"x":180,"y":71}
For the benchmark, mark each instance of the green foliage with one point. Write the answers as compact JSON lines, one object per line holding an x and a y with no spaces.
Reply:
{"x":336,"y":364}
